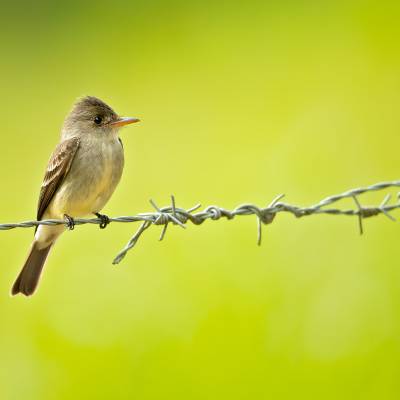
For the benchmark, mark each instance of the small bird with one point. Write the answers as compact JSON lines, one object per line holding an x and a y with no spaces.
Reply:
{"x":80,"y":178}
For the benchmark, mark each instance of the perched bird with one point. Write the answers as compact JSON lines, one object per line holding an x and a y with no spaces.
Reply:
{"x":80,"y":178}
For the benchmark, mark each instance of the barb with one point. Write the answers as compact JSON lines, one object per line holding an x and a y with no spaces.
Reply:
{"x":179,"y":216}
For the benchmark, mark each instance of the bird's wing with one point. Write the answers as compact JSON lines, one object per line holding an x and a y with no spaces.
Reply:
{"x":57,"y":169}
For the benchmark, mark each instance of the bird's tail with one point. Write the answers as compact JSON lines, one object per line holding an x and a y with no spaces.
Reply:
{"x":28,"y":278}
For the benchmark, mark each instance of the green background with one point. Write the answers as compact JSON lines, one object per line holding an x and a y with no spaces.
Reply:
{"x":239,"y":101}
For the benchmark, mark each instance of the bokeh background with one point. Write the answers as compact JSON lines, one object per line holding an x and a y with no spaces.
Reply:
{"x":239,"y":101}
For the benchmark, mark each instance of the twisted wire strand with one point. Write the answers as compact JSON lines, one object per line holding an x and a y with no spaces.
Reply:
{"x":179,"y":216}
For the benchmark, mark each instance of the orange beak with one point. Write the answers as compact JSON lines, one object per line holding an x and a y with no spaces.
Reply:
{"x":122,"y":121}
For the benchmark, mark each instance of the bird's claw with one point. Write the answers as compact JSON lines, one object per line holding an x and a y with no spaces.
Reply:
{"x":70,"y":222}
{"x":105,"y":220}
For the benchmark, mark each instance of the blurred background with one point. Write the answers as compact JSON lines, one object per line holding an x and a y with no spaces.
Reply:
{"x":239,"y":101}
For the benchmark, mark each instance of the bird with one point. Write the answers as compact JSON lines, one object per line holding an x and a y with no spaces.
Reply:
{"x":81,"y":175}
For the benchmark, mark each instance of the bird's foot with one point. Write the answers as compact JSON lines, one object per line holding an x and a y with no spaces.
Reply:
{"x":70,"y":222}
{"x":104,"y":220}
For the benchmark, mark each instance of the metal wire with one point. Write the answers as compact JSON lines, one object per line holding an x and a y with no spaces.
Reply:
{"x":179,"y":216}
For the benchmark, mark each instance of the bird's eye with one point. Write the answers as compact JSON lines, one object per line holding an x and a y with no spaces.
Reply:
{"x":98,"y":120}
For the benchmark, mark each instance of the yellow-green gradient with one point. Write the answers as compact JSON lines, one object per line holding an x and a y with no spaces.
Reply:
{"x":239,"y":101}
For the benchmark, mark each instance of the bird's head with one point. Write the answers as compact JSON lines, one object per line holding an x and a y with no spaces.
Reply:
{"x":90,"y":115}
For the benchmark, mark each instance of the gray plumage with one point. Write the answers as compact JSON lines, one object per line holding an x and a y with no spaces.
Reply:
{"x":80,"y":178}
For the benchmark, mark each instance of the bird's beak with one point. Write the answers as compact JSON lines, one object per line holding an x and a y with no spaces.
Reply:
{"x":122,"y":121}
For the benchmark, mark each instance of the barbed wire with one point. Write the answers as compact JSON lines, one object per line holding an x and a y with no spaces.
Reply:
{"x":179,"y":216}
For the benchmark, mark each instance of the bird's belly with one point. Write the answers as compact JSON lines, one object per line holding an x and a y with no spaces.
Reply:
{"x":88,"y":187}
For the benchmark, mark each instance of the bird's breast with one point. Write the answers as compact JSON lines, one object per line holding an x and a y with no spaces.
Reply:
{"x":93,"y":177}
